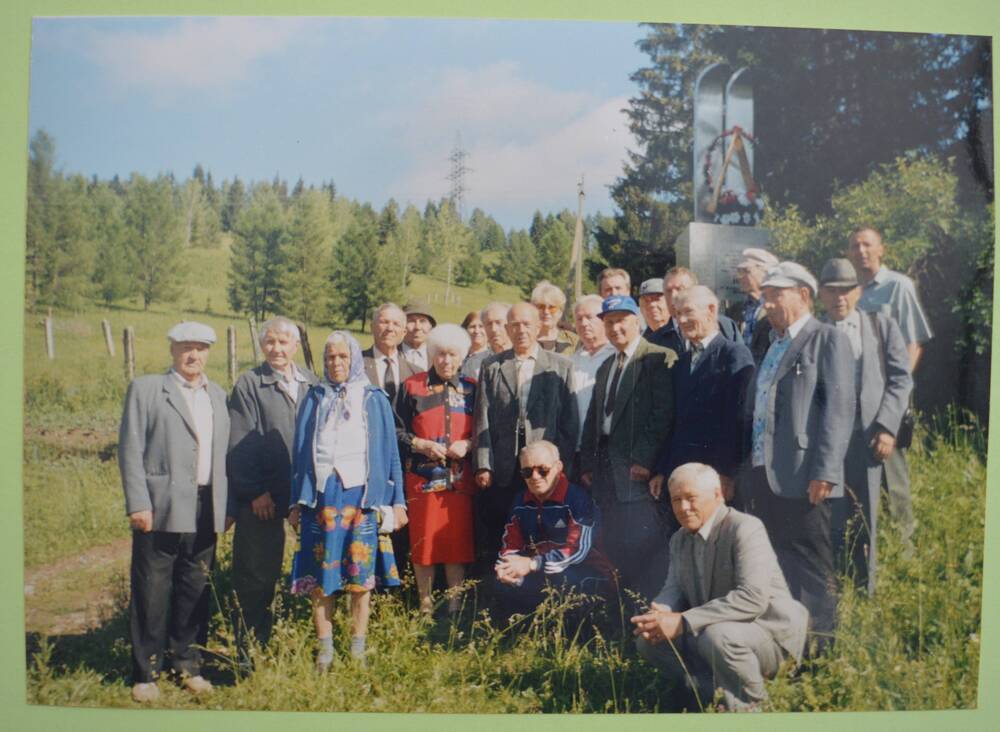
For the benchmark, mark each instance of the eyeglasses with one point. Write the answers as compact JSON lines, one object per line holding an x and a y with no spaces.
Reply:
{"x":543,"y":471}
{"x":547,"y":308}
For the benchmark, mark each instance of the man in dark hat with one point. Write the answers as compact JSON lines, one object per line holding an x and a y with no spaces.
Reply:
{"x":419,"y":322}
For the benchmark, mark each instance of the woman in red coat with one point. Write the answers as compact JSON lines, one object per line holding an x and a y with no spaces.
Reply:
{"x":436,"y":425}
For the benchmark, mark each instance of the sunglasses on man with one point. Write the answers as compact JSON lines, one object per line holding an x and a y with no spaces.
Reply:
{"x":543,"y":471}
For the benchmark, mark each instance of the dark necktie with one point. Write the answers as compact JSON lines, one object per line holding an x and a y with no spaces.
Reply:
{"x":696,"y":350}
{"x":390,"y":380}
{"x":609,"y":405}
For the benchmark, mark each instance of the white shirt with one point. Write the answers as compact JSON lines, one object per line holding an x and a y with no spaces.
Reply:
{"x":585,"y":366}
{"x":290,"y":383}
{"x":341,"y":444}
{"x":704,"y":344}
{"x":381,"y":365}
{"x":525,"y":369}
{"x":199,"y":406}
{"x":629,"y":352}
{"x":794,"y":328}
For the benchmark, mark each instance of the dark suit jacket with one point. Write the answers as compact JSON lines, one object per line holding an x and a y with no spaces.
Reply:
{"x":551,"y":411}
{"x":669,"y":336}
{"x":640,"y":423}
{"x":406,"y":370}
{"x":743,"y":582}
{"x":262,"y":425}
{"x":810,"y":412}
{"x":710,"y":408}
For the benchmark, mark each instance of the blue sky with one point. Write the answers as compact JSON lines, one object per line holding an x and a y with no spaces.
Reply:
{"x":374,"y":104}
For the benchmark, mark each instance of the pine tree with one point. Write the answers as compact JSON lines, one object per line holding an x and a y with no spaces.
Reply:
{"x":257,"y":257}
{"x":361,"y":272}
{"x":236,"y":201}
{"x":112,"y":276}
{"x":306,"y":263}
{"x":153,"y":239}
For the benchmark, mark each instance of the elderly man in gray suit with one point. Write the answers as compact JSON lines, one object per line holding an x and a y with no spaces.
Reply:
{"x":803,"y":413}
{"x":882,"y":388}
{"x":262,"y":423}
{"x":725,"y":612}
{"x":172,"y":456}
{"x":385,"y":366}
{"x":525,"y":394}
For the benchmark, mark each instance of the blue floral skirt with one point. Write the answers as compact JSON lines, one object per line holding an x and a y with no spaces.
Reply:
{"x":340,"y":547}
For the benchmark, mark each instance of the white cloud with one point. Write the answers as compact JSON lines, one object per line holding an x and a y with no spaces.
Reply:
{"x":194,"y":53}
{"x":528,"y":144}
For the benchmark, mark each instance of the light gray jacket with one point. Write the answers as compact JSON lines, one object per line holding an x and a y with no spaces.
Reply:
{"x":743,"y":582}
{"x":158,"y":452}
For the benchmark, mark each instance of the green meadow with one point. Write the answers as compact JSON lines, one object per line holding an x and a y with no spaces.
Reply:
{"x":916,"y":645}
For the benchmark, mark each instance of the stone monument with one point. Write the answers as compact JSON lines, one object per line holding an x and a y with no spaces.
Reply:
{"x":727,"y":200}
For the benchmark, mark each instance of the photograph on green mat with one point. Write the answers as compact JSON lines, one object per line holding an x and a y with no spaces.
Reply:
{"x":227,"y":170}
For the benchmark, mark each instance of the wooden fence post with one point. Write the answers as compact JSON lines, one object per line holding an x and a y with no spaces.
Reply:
{"x":231,"y":343}
{"x":108,"y":341}
{"x":50,"y":341}
{"x":128,"y":346}
{"x":254,"y":341}
{"x":307,"y":353}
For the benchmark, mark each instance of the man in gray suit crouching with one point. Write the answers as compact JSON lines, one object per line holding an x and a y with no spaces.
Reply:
{"x":172,"y":456}
{"x":725,"y":613}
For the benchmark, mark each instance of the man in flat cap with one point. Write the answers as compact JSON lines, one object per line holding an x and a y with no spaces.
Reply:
{"x":172,"y":456}
{"x":803,"y":414}
{"x":753,"y":323}
{"x":419,"y":322}
{"x":882,"y":389}
{"x":630,"y":415}
{"x":653,"y":305}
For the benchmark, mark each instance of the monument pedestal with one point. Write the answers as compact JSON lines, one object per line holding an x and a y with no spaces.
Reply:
{"x":713,"y":251}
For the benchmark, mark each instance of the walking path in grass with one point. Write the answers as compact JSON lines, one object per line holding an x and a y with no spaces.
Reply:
{"x":78,"y":593}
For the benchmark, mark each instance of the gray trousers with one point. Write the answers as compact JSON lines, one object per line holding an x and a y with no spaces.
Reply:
{"x":733,"y":656}
{"x":897,"y":485}
{"x":258,"y":551}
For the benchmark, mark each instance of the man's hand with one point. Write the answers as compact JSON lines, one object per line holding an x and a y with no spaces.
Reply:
{"x":818,"y":491}
{"x":293,"y":517}
{"x":399,"y":514}
{"x":263,"y":507}
{"x":881,"y":445}
{"x":141,"y":521}
{"x":484,"y":478}
{"x":512,"y":568}
{"x":656,"y":486}
{"x":728,"y":487}
{"x":638,"y":473}
{"x":658,"y":625}
{"x":458,"y":449}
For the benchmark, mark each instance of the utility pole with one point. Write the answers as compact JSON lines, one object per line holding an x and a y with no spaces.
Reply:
{"x":578,"y":253}
{"x":459,"y":170}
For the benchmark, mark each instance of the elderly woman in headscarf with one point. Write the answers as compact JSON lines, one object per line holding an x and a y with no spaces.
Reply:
{"x":436,"y":428}
{"x":347,"y":494}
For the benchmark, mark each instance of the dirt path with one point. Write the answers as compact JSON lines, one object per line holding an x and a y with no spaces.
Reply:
{"x":77,"y":593}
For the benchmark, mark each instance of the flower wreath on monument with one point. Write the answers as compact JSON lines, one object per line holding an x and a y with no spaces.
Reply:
{"x":728,"y":206}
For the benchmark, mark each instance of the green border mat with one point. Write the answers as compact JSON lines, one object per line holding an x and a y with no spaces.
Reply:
{"x":979,"y":17}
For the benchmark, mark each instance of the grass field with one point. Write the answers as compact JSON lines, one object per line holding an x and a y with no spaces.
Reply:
{"x":915,"y":646}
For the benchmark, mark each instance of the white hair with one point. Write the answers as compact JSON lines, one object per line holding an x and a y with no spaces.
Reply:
{"x":541,"y":446}
{"x":699,"y":296}
{"x":334,"y":338}
{"x":505,"y":306}
{"x":276,"y":325}
{"x":545,"y":293}
{"x":698,"y":475}
{"x":450,"y":337}
{"x":388,"y":306}
{"x":588,"y":300}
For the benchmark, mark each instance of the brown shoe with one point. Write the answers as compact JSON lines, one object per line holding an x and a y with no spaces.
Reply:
{"x":146,"y":692}
{"x":197,"y":685}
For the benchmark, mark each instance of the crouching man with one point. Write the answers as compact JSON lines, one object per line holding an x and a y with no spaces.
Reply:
{"x":725,"y":608}
{"x":549,"y":537}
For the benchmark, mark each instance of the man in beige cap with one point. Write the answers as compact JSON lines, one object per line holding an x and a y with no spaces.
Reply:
{"x":172,"y":457}
{"x":750,"y":273}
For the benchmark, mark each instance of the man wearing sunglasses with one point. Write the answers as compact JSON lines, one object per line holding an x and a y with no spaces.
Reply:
{"x":549,"y":536}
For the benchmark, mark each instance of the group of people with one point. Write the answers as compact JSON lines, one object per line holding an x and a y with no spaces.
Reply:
{"x":712,"y":468}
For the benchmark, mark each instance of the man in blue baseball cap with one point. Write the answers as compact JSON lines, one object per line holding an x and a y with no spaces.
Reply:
{"x":629,"y":417}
